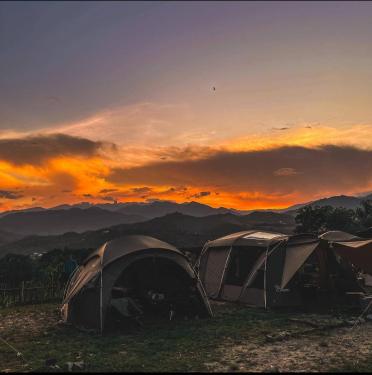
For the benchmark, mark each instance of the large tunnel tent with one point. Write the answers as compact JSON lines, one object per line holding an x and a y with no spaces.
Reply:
{"x":256,"y":268}
{"x":152,"y":273}
{"x":273,"y":270}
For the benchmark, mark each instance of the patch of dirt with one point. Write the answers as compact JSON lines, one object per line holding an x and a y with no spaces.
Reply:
{"x":19,"y":328}
{"x":315,"y":352}
{"x":19,"y":325}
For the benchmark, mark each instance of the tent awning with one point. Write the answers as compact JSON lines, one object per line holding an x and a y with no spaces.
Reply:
{"x":358,"y":253}
{"x":295,"y":257}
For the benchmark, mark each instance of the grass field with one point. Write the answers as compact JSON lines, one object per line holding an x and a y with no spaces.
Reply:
{"x":236,"y":339}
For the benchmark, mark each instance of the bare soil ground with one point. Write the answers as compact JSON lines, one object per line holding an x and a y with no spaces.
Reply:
{"x":308,"y":353}
{"x":236,"y":339}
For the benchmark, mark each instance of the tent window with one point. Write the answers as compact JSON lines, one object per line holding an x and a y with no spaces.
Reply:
{"x":242,"y":261}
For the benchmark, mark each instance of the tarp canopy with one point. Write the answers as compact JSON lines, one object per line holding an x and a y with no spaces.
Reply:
{"x":337,"y":235}
{"x":355,"y":250}
{"x":358,"y":253}
{"x":295,"y":257}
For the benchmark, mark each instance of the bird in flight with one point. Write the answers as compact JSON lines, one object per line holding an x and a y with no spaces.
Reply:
{"x":213,"y":88}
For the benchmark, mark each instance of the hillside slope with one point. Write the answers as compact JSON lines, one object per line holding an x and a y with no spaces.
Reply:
{"x":183,"y":231}
{"x":52,"y":222}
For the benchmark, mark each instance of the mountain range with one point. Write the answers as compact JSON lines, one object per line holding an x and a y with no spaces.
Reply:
{"x":183,"y":231}
{"x":40,"y":229}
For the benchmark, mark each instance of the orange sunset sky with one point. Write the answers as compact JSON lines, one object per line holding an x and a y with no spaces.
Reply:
{"x":237,"y":104}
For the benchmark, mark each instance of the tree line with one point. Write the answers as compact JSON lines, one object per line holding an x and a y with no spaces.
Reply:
{"x":318,"y":220}
{"x":46,"y":269}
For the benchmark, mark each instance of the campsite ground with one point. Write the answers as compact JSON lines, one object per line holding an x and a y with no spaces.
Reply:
{"x":237,"y":339}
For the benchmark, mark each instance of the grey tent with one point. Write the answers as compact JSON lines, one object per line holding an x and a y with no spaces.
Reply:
{"x":140,"y":263}
{"x":267,"y":269}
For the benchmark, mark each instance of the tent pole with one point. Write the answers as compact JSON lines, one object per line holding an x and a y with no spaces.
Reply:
{"x":224,"y":270}
{"x":265,"y":290}
{"x":100,"y":300}
{"x":197,"y":263}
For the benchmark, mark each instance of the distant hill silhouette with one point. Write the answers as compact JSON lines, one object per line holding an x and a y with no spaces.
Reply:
{"x":198,"y":221}
{"x":183,"y":231}
{"x":50,"y":222}
{"x":345,"y":201}
{"x":161,"y":208}
{"x":7,"y":237}
{"x":86,"y":216}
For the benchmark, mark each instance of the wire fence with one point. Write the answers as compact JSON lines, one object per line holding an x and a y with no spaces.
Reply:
{"x":30,"y":294}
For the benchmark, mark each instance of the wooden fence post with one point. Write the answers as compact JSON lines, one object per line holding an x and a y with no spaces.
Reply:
{"x":23,"y":292}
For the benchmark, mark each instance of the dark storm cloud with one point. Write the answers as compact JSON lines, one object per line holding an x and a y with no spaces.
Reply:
{"x":36,"y":149}
{"x":323,"y":169}
{"x":200,"y":194}
{"x":8,"y":194}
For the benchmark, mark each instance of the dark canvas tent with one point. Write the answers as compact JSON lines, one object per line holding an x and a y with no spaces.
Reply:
{"x":356,"y":250}
{"x":266,"y":269}
{"x":137,"y":262}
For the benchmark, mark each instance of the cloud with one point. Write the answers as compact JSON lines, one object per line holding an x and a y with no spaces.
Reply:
{"x":39,"y":148}
{"x":153,"y":200}
{"x":200,"y":194}
{"x":109,"y":199}
{"x":105,"y":191}
{"x":325,"y":169}
{"x":141,"y":190}
{"x":284,"y":128}
{"x":7,"y":194}
{"x":304,"y":135}
{"x":256,"y":171}
{"x":285,"y":172}
{"x":142,"y":123}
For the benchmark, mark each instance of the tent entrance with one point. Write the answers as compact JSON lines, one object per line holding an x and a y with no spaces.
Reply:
{"x":153,"y":287}
{"x":240,"y":268}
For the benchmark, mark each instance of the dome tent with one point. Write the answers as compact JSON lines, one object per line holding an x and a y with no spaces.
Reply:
{"x":268,"y":269}
{"x":140,"y":262}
